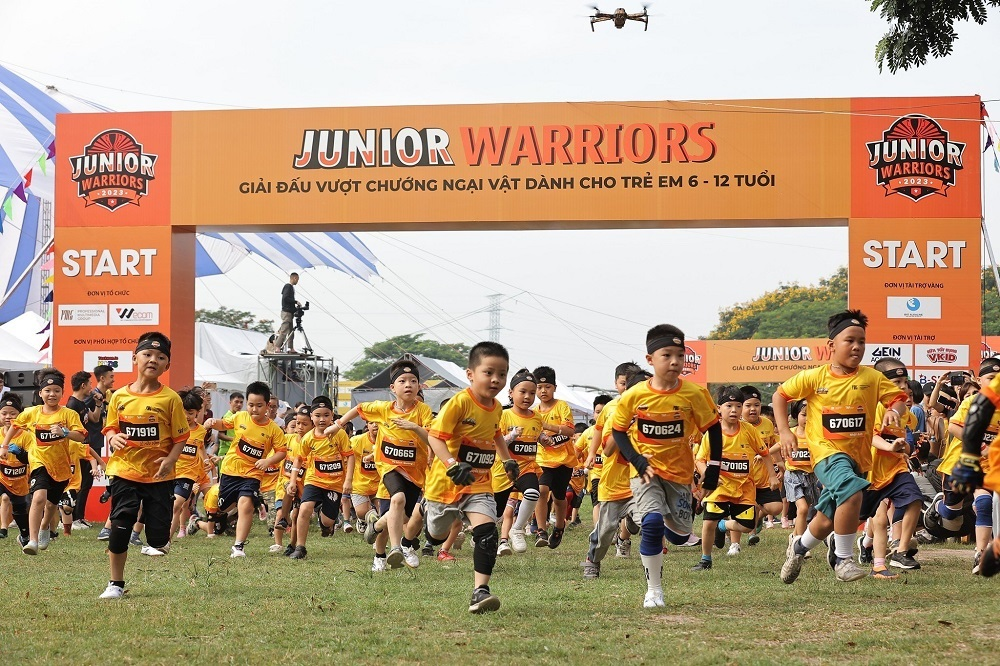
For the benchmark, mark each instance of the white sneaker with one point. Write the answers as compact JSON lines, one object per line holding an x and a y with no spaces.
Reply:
{"x":653,"y":599}
{"x":152,"y":552}
{"x":734,"y":549}
{"x":112,"y":591}
{"x":236,"y":552}
{"x":411,"y":557}
{"x":378,"y":564}
{"x":80,"y":525}
{"x":348,"y":527}
{"x":276,"y":548}
{"x":504,"y":549}
{"x":30,"y":548}
{"x":517,"y":541}
{"x":44,"y":536}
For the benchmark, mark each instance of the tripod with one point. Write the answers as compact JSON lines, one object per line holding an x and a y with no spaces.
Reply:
{"x":307,"y":348}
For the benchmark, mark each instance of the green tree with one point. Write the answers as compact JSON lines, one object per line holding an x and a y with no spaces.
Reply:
{"x":991,"y":303}
{"x":235,"y":319}
{"x":922,"y":28}
{"x":790,"y":311}
{"x":382,"y":354}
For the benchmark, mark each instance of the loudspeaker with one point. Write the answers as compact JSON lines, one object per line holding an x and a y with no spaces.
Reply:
{"x":20,"y":379}
{"x":27,"y":396}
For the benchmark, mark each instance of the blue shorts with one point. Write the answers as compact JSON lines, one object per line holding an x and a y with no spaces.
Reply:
{"x":842,"y":479}
{"x":902,"y":491}
{"x":232,"y":488}
{"x":182,"y":487}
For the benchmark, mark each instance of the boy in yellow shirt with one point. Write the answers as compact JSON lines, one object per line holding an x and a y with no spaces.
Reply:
{"x":54,"y":429}
{"x":146,"y":431}
{"x":841,"y":398}
{"x":466,"y":439}
{"x":258,"y":443}
{"x":735,"y":496}
{"x":366,"y":477}
{"x":287,"y":504}
{"x":667,"y":411}
{"x":14,"y":465}
{"x":556,"y":458}
{"x":328,"y":459}
{"x":191,"y":463}
{"x":522,"y":428}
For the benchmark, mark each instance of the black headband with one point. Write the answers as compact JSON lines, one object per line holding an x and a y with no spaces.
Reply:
{"x":895,"y":373}
{"x":398,"y":370}
{"x":750,"y":392}
{"x":304,"y":411}
{"x":732,"y":395}
{"x":842,"y":324}
{"x":52,"y":381}
{"x":990,"y":365}
{"x":666,"y":341}
{"x":320,"y":402}
{"x":10,"y":403}
{"x":158,"y":344}
{"x":522,"y":377}
{"x":547,"y":380}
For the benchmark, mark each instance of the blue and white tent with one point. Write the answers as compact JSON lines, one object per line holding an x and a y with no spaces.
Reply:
{"x":27,"y":167}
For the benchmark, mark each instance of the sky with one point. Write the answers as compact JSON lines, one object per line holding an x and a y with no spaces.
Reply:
{"x":562,"y":300}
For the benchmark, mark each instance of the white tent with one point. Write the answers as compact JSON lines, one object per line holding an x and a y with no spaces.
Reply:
{"x":226,"y":355}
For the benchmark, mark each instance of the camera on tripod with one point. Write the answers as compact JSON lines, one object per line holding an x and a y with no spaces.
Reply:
{"x":299,"y":312}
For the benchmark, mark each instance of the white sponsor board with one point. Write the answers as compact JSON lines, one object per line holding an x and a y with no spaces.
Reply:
{"x":913,"y":307}
{"x":134,"y":314}
{"x":82,"y":315}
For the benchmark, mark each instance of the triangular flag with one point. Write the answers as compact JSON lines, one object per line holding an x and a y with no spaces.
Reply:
{"x":45,"y":346}
{"x":27,"y":178}
{"x":19,"y":191}
{"x":49,"y":279}
{"x":48,"y":297}
{"x":982,"y":111}
{"x":989,"y":142}
{"x":41,"y":164}
{"x":8,"y":207}
{"x":52,"y":150}
{"x":48,"y":325}
{"x":48,"y":265}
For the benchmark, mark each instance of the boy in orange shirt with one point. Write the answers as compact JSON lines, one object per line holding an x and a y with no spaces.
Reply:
{"x":556,"y":457}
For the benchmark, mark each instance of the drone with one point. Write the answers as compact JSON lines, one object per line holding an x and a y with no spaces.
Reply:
{"x":620,"y":16}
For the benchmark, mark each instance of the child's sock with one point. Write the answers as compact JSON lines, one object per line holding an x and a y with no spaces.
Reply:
{"x":653,"y":564}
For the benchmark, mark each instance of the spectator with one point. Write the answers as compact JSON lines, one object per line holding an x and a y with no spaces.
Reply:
{"x":84,"y":401}
{"x":272,"y":411}
{"x":3,"y":381}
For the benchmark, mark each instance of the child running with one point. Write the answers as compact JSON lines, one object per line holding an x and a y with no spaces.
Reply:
{"x":735,"y":496}
{"x":14,"y":465}
{"x":401,"y":460}
{"x":841,"y":398}
{"x":466,"y":439}
{"x":191,"y":463}
{"x":667,"y":411}
{"x":146,"y":431}
{"x":556,"y":457}
{"x":53,"y":428}
{"x":523,"y":426}
{"x":257,"y":444}
{"x":800,"y":482}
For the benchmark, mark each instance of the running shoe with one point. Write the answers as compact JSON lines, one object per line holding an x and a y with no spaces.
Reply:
{"x":517,"y":541}
{"x":410,"y":557}
{"x":112,"y":591}
{"x":483,"y":601}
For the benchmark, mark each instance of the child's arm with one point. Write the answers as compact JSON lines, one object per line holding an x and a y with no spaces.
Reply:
{"x":167,"y":462}
{"x":595,"y":444}
{"x":412,"y":427}
{"x":510,"y":465}
{"x":459,"y":472}
{"x":275,"y":458}
{"x":898,"y":445}
{"x":12,"y":432}
{"x":339,"y":425}
{"x":786,"y":438}
{"x":349,"y":480}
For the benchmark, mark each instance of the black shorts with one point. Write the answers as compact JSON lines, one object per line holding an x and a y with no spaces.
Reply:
{"x":183,"y":488}
{"x":41,"y":481}
{"x":328,"y":501}
{"x":16,"y":501}
{"x":232,"y":488}
{"x":593,"y":491}
{"x":577,"y":500}
{"x":951,"y":498}
{"x":396,"y":483}
{"x":902,"y":491}
{"x":527,"y":481}
{"x":743,"y":514}
{"x":156,"y":501}
{"x":501,"y":501}
{"x":767,"y":496}
{"x":556,"y":478}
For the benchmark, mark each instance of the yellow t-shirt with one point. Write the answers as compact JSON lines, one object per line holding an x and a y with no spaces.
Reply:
{"x":561,"y":451}
{"x":14,"y":473}
{"x":886,"y":464}
{"x":758,"y":468}
{"x":801,"y":460}
{"x":469,"y":429}
{"x":614,"y":483}
{"x":736,"y":484}
{"x":398,"y":448}
{"x":251,"y":442}
{"x":273,"y":473}
{"x":525,"y":448}
{"x":841,"y":409}
{"x":48,"y":450}
{"x":325,"y":459}
{"x":293,"y":448}
{"x":602,"y":426}
{"x":191,"y":463}
{"x":664,"y":422}
{"x":152,"y":423}
{"x":954,"y":448}
{"x":77,"y":452}
{"x":212,"y":499}
{"x":366,"y":475}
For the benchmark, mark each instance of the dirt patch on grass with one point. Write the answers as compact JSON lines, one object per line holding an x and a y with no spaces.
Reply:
{"x":930,"y":555}
{"x":663,"y":618}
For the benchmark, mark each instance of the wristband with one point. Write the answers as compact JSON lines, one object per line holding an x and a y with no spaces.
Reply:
{"x":450,"y":462}
{"x":714,"y":463}
{"x":65,"y":431}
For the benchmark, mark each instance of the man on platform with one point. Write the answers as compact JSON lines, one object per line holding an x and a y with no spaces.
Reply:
{"x":288,"y":307}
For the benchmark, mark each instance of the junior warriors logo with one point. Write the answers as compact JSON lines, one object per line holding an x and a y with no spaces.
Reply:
{"x":915,"y":158}
{"x":113,"y":170}
{"x":692,"y":361}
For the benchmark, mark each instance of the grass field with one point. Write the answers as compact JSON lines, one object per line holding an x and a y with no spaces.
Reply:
{"x":198,"y":606}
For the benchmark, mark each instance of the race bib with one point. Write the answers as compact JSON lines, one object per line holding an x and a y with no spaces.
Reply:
{"x":840,"y":423}
{"x":660,"y":428}
{"x":739,"y":467}
{"x":247,"y":450}
{"x":523,"y":449}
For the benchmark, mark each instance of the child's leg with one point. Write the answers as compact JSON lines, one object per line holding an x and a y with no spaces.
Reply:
{"x":801,"y":516}
{"x":176,"y":518}
{"x":244,"y":518}
{"x":415,"y":524}
{"x":36,"y":514}
{"x":708,"y":530}
{"x":506,"y":521}
{"x":394,"y":519}
{"x":306,"y":510}
{"x":983,"y":504}
{"x":908,"y":525}
{"x":19,"y":511}
{"x":879,"y":525}
{"x":6,"y":512}
{"x":449,"y":543}
{"x":484,"y":530}
{"x":542,"y":508}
